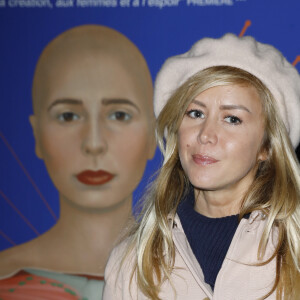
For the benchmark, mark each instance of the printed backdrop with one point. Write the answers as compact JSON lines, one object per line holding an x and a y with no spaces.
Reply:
{"x":160,"y":28}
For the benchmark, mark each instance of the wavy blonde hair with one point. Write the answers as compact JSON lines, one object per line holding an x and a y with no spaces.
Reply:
{"x":275,"y":190}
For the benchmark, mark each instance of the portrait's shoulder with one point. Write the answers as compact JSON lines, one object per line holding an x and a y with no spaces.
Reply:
{"x":17,"y":258}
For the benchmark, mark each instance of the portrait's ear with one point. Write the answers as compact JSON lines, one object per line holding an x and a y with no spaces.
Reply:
{"x":151,"y":142}
{"x":33,"y":122}
{"x":152,"y":147}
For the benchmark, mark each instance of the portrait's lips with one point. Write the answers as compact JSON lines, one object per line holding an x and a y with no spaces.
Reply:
{"x":94,"y":177}
{"x":204,"y":160}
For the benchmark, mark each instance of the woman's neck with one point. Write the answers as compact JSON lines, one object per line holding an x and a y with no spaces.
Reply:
{"x":217,"y":204}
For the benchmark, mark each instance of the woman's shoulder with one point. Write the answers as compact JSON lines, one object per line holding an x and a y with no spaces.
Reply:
{"x":119,"y":271}
{"x":121,"y":257}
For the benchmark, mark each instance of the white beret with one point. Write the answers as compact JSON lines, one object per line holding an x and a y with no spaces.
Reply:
{"x":261,"y":60}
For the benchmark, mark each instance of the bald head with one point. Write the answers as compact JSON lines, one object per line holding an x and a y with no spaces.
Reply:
{"x":84,"y":45}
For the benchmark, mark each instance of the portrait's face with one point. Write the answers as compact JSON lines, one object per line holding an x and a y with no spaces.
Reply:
{"x":220,"y":137}
{"x":93,"y":131}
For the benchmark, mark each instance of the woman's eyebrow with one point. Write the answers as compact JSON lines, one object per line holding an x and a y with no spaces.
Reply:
{"x":233,"y":106}
{"x":120,"y":101}
{"x":198,"y":103}
{"x":65,"y":101}
{"x":225,"y":106}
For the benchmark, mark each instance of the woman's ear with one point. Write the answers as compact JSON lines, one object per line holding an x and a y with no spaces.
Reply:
{"x":263,"y":155}
{"x":33,"y":122}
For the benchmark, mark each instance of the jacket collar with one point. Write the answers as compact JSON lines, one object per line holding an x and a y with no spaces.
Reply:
{"x":255,"y":216}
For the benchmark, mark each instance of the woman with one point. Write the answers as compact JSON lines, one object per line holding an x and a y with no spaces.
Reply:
{"x":93,"y":125}
{"x":222,"y":218}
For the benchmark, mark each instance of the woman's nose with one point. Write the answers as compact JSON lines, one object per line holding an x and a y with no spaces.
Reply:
{"x":208,"y":132}
{"x":94,"y":139}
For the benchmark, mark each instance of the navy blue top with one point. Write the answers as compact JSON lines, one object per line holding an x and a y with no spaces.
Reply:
{"x":209,"y":238}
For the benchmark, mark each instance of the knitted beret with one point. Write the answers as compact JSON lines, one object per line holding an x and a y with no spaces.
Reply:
{"x":261,"y":60}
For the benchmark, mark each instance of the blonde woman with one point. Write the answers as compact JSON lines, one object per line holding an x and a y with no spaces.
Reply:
{"x":222,"y":219}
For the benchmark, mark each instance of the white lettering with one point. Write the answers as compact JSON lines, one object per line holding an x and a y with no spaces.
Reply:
{"x":64,"y":3}
{"x":125,"y":3}
{"x":30,"y":3}
{"x":163,"y":3}
{"x":209,"y":2}
{"x":96,"y":3}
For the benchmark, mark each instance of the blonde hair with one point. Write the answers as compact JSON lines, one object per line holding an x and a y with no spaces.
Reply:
{"x":275,"y":190}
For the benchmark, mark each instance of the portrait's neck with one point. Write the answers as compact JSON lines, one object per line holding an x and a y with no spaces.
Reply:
{"x":88,"y":236}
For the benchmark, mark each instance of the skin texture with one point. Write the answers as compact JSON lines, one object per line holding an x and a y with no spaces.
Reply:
{"x":92,"y":100}
{"x":220,"y":141}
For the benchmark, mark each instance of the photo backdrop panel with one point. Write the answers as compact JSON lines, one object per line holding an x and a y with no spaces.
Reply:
{"x":160,"y":28}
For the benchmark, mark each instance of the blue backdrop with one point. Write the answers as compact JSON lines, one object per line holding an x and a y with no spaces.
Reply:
{"x":160,"y":28}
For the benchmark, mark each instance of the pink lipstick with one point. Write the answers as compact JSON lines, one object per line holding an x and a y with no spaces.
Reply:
{"x":94,"y":177}
{"x":203,"y":159}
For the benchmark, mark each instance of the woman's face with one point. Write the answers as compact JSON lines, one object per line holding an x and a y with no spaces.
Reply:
{"x":220,"y":137}
{"x":93,"y":131}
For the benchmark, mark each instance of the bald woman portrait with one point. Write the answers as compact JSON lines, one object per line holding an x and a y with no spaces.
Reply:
{"x":93,"y":126}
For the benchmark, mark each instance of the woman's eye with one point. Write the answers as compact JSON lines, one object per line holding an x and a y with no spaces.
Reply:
{"x":68,"y":117}
{"x":233,"y":120}
{"x":120,"y":116}
{"x":195,"y":114}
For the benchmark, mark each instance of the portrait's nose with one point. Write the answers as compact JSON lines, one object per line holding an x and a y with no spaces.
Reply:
{"x":94,"y":139}
{"x":208,"y":132}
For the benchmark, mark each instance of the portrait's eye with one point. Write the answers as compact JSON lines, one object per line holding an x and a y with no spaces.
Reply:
{"x":68,"y":117}
{"x":121,"y":116}
{"x":195,"y":114}
{"x":233,"y":120}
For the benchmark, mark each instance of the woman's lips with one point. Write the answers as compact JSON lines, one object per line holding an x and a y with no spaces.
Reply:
{"x":94,"y":177}
{"x":203,"y":159}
